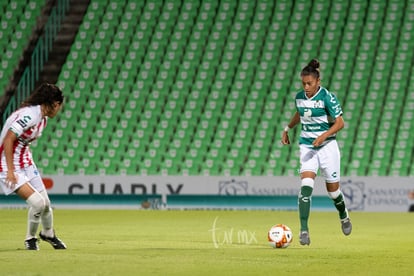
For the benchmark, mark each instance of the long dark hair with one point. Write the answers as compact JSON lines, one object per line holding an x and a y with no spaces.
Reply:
{"x":311,"y":69}
{"x":46,"y":94}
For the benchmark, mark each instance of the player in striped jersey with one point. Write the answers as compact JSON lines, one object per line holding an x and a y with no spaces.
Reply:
{"x":18,"y":172}
{"x":320,"y":115}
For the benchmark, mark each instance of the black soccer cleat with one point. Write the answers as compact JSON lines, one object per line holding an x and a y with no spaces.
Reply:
{"x":55,"y":242}
{"x":31,"y":244}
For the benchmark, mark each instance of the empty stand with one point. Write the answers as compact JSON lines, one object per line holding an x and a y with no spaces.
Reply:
{"x":206,"y":87}
{"x":17,"y":20}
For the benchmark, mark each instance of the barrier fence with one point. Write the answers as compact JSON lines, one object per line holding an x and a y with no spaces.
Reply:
{"x":39,"y":57}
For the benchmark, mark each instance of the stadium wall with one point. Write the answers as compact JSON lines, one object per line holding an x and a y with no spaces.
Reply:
{"x":380,"y":194}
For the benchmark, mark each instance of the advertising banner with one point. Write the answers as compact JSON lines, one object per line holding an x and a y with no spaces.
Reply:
{"x":362,"y":193}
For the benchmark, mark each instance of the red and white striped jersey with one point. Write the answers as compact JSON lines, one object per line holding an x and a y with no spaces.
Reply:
{"x":27,"y":123}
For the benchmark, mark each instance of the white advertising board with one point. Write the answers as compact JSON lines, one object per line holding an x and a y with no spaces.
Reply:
{"x":362,"y":193}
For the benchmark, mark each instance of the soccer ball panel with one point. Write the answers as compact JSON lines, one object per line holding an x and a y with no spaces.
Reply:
{"x":279,"y":236}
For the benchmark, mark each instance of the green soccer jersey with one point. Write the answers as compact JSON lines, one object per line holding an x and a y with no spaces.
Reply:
{"x":317,"y":114}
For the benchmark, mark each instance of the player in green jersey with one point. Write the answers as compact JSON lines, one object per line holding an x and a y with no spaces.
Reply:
{"x":320,"y":115}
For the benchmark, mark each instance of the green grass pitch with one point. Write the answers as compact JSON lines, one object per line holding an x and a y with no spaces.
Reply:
{"x":148,"y":242}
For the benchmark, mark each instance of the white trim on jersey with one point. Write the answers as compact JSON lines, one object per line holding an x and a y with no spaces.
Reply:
{"x":308,"y":103}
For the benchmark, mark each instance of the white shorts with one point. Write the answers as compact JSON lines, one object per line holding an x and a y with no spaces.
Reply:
{"x":27,"y":175}
{"x":327,"y":159}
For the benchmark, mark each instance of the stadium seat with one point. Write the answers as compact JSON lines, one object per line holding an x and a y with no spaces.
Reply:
{"x":206,"y":87}
{"x":17,"y":22}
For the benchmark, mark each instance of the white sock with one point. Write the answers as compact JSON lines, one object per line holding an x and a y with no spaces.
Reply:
{"x":334,"y":195}
{"x":36,"y":206}
{"x":47,"y":216}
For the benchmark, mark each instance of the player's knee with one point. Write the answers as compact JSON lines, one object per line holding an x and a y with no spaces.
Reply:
{"x":37,"y":203}
{"x":47,"y":200}
{"x":306,"y":189}
{"x":307,"y":181}
{"x":334,"y":194}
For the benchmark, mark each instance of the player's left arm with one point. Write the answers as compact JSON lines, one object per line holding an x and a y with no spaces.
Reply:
{"x":335,"y":111}
{"x":337,"y":126}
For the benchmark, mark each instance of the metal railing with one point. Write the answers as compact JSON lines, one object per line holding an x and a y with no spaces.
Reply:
{"x":39,"y":57}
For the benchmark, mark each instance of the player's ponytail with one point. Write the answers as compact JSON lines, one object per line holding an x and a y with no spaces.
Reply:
{"x":311,"y":69}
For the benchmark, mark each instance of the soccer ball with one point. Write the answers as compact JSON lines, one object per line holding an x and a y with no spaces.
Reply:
{"x":279,"y":236}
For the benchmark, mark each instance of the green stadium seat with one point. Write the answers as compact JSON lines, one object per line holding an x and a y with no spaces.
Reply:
{"x":205,"y":87}
{"x":16,"y":24}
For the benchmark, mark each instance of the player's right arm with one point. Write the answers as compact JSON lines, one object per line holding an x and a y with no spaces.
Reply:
{"x":293,"y":122}
{"x":8,"y":143}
